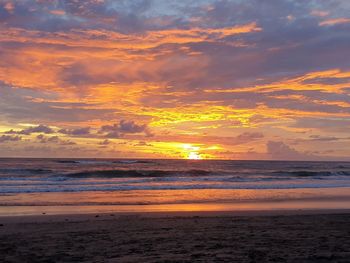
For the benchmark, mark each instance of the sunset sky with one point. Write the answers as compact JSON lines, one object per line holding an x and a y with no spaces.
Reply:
{"x":252,"y":79}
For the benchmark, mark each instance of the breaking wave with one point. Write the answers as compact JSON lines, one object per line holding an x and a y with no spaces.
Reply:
{"x":75,"y":175}
{"x":24,"y":171}
{"x":136,"y":173}
{"x":313,"y":173}
{"x":92,"y":162}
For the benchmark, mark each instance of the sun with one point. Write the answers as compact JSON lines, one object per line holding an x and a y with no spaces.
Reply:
{"x":194,"y":156}
{"x":191,"y":152}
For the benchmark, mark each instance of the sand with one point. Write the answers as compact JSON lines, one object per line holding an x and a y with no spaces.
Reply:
{"x":176,"y":238}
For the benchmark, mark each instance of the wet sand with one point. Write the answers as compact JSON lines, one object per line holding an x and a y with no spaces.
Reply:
{"x":318,"y":236}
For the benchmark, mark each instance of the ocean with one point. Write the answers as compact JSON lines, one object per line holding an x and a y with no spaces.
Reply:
{"x":30,"y":186}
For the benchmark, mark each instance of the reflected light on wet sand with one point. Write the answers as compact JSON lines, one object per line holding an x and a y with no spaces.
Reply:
{"x":174,"y":201}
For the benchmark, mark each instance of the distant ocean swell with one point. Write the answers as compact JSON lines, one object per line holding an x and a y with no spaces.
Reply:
{"x":67,"y":175}
{"x":73,"y":183}
{"x":118,"y":173}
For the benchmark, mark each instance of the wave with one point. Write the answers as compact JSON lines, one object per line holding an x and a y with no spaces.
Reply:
{"x":24,"y":171}
{"x":132,"y":161}
{"x":136,"y":173}
{"x":117,"y":173}
{"x":67,"y":161}
{"x":313,"y":173}
{"x":162,"y":173}
{"x":103,"y":161}
{"x":135,"y":187}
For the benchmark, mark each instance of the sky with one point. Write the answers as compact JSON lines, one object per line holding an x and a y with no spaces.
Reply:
{"x":201,"y":79}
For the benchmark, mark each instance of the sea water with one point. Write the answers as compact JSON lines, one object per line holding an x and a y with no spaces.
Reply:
{"x":30,"y":186}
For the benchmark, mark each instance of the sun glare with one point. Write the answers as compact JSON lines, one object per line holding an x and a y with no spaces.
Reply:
{"x":191,"y":152}
{"x":194,"y":156}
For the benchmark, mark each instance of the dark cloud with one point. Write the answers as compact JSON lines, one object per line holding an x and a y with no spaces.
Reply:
{"x":131,"y":127}
{"x":105,"y":142}
{"x":37,"y":129}
{"x":53,"y":139}
{"x":323,"y":138}
{"x":44,"y":139}
{"x":124,"y":127}
{"x":281,"y":151}
{"x":76,"y":132}
{"x":142,"y":143}
{"x":8,"y":138}
{"x":247,"y":136}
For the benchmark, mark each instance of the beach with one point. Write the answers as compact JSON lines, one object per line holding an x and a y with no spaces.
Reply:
{"x":294,"y":236}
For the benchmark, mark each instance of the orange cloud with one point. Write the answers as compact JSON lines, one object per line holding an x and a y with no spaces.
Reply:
{"x":335,"y":21}
{"x":58,"y":12}
{"x":110,"y":39}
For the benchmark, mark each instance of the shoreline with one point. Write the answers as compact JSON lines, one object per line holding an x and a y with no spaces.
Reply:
{"x":211,"y":208}
{"x":97,"y":216}
{"x":240,"y":201}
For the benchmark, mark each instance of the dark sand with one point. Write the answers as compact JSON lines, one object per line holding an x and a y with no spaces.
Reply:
{"x":176,"y":238}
